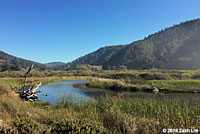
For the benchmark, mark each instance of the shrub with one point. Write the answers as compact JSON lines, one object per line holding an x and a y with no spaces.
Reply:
{"x":25,"y":125}
{"x":77,"y":126}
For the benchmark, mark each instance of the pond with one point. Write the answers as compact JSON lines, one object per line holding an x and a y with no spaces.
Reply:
{"x":53,"y":91}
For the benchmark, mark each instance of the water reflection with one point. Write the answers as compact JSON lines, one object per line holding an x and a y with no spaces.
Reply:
{"x":53,"y":91}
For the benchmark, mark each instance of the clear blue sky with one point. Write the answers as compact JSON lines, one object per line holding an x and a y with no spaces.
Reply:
{"x":63,"y":30}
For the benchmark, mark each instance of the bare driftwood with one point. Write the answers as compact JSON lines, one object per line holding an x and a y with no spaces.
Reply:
{"x":30,"y":93}
{"x":25,"y":78}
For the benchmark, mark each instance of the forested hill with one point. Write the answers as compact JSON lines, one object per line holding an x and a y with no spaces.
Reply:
{"x":9,"y":62}
{"x":177,"y":47}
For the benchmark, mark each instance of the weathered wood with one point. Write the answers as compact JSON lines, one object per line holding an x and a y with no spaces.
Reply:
{"x":29,"y":94}
{"x":33,"y":96}
{"x":36,"y":86}
{"x":31,"y":84}
{"x":25,"y":77}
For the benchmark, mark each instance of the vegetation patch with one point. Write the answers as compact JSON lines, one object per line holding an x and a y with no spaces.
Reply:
{"x":111,"y":114}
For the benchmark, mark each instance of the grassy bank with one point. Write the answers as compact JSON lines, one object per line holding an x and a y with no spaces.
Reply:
{"x":117,"y":80}
{"x":128,"y":75}
{"x":17,"y":82}
{"x":190,"y":86}
{"x":110,"y":114}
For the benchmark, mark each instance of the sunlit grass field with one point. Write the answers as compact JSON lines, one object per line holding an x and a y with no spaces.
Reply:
{"x":179,"y":85}
{"x":111,"y":114}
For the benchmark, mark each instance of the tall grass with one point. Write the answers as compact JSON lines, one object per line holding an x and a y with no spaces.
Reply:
{"x":17,"y":82}
{"x":167,"y":113}
{"x":179,"y":85}
{"x":106,"y":115}
{"x":122,"y":85}
{"x":111,"y":114}
{"x":122,"y":115}
{"x":39,"y":117}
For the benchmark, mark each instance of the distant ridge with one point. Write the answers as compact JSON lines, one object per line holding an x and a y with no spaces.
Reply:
{"x":7,"y":59}
{"x":177,"y":47}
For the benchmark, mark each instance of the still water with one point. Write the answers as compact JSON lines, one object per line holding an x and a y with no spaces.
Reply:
{"x":53,"y":91}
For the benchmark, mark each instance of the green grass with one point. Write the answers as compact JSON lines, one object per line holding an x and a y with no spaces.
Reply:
{"x":167,"y":113}
{"x":18,"y":82}
{"x":176,"y":85}
{"x":99,"y":85}
{"x":169,"y":85}
{"x":110,"y":114}
{"x":113,"y":74}
{"x":12,"y":84}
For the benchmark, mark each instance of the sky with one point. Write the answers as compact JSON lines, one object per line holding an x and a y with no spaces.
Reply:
{"x":63,"y":30}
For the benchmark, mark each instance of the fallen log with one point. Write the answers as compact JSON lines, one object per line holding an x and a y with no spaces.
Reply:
{"x":29,"y":94}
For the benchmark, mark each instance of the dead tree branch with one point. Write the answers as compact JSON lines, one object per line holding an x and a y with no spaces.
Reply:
{"x":30,"y":94}
{"x":25,"y":77}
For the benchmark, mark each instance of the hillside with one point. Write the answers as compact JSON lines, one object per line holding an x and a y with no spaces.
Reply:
{"x":177,"y":47}
{"x":9,"y":62}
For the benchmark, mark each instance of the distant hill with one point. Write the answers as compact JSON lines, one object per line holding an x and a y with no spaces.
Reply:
{"x":177,"y":47}
{"x":9,"y":62}
{"x":54,"y":65}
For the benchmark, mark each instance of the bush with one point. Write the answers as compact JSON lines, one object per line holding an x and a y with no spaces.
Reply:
{"x":77,"y":126}
{"x":25,"y":125}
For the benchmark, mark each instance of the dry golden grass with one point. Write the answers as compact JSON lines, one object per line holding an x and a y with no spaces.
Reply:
{"x":114,"y":114}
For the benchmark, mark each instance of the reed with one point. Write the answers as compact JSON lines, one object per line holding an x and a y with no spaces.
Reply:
{"x":111,"y":114}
